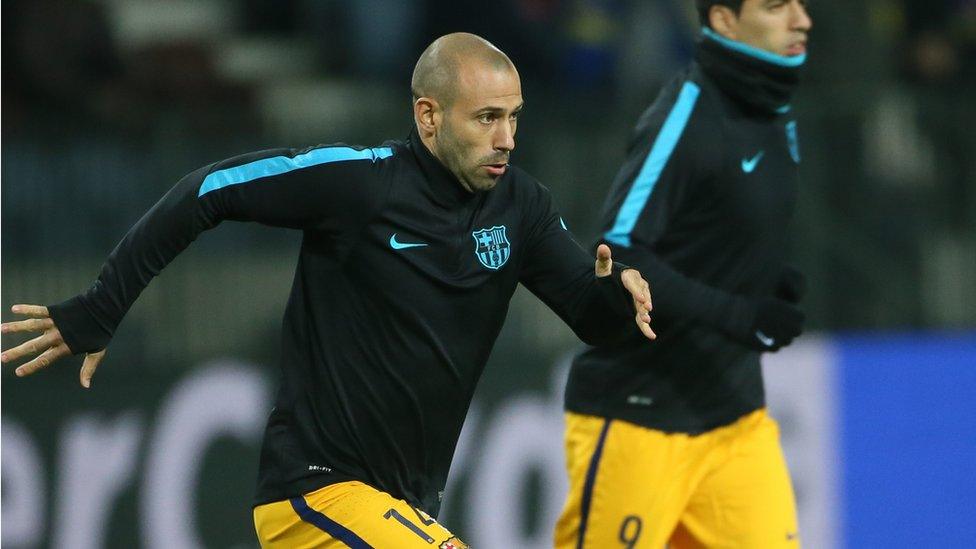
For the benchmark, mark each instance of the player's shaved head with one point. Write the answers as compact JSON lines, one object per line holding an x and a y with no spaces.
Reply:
{"x":438,"y":73}
{"x":467,"y":97}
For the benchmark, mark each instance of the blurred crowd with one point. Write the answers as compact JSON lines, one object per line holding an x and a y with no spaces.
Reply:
{"x":63,"y":57}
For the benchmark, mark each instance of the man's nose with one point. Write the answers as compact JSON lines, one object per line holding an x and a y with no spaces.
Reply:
{"x":800,"y":19}
{"x":504,"y":138}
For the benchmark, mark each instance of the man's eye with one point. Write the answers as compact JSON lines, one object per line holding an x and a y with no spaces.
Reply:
{"x":486,"y":118}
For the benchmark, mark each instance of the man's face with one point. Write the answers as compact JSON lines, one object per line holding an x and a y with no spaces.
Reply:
{"x":477,"y":131}
{"x":777,"y":26}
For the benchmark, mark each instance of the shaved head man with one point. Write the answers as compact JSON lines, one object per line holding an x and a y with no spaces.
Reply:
{"x":467,"y":98}
{"x":411,"y":252}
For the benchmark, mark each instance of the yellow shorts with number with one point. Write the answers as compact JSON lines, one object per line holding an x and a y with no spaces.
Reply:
{"x":633,"y":487}
{"x":349,"y":514}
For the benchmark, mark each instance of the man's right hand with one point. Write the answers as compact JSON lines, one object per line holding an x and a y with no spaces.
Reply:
{"x":777,"y":323}
{"x":48,"y":347}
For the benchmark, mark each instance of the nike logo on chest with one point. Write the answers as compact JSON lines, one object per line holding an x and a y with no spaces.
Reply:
{"x":749,"y":164}
{"x":397,"y":245}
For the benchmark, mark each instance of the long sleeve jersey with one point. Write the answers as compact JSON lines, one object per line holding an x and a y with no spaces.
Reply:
{"x":702,"y":207}
{"x":403,"y":282}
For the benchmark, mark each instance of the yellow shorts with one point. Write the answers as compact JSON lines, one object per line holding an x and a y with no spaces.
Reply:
{"x":349,"y":514}
{"x":633,"y":487}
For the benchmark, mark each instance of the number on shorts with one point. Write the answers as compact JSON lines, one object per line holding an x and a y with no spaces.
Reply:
{"x":630,"y":531}
{"x":392,"y":513}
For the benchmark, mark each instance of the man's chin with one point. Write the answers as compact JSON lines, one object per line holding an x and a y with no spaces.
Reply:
{"x":483,"y":184}
{"x":489,"y":185}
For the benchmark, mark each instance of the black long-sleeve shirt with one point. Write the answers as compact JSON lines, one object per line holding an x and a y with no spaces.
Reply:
{"x":402,"y":285}
{"x":702,"y":207}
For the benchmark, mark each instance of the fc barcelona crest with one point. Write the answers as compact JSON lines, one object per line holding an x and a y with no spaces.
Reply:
{"x":492,"y":246}
{"x":792,"y":141}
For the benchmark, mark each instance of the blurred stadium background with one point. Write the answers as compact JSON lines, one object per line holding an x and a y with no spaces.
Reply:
{"x":107,"y":103}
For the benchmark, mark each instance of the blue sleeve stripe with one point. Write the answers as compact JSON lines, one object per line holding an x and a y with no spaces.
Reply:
{"x":752,"y":51}
{"x":278,"y":165}
{"x":661,"y":151}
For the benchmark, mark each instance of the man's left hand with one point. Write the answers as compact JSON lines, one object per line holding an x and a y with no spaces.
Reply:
{"x":635,"y":284}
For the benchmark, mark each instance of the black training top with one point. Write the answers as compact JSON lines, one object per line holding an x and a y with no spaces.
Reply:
{"x":702,"y":207}
{"x":402,"y":285}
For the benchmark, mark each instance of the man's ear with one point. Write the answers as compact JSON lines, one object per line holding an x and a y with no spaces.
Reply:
{"x":426,"y":114}
{"x":724,"y":21}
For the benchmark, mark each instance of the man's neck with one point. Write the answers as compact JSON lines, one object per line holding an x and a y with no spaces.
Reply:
{"x":430,"y":144}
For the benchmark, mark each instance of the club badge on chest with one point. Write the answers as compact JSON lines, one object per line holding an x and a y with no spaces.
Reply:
{"x":491,"y":246}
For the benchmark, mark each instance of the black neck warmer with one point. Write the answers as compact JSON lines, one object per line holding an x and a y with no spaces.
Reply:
{"x":758,"y":79}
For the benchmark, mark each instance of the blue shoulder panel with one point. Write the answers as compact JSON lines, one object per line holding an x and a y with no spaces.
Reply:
{"x":278,"y":165}
{"x":664,"y":145}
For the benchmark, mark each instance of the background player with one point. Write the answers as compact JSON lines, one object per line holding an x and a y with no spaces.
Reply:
{"x":671,"y":442}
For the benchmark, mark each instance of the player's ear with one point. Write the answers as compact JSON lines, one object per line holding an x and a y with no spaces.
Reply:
{"x":426,"y":114}
{"x":724,"y":21}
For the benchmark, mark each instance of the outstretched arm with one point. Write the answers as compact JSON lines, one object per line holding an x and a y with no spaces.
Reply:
{"x":597,"y":300}
{"x":48,"y":347}
{"x":325,"y":189}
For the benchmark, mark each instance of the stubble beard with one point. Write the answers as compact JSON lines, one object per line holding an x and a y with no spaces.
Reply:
{"x":452,"y":156}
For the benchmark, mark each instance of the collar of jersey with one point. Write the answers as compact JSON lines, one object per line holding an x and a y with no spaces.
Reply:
{"x":445,"y":188}
{"x":754,"y":52}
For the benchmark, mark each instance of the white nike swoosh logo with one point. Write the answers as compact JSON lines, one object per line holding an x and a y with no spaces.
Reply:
{"x":403,"y":245}
{"x":765,"y":339}
{"x":749,"y":164}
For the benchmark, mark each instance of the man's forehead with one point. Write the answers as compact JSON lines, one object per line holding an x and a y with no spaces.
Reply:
{"x":489,"y":86}
{"x":489,"y":103}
